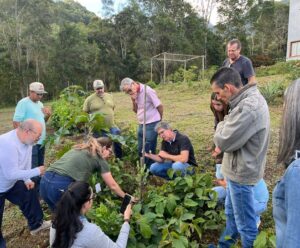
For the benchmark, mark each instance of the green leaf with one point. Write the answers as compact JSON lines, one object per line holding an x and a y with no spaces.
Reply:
{"x":187,"y":216}
{"x":190,"y":203}
{"x":199,"y":192}
{"x":180,"y":242}
{"x":146,"y":230}
{"x":171,"y":203}
{"x":189,"y":181}
{"x":261,"y":240}
{"x":272,"y":240}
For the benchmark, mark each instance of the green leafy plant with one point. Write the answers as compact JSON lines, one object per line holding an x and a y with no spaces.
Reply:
{"x":272,"y":91}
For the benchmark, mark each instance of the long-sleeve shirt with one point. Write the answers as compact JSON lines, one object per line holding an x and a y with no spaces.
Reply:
{"x":91,"y":236}
{"x":15,"y":161}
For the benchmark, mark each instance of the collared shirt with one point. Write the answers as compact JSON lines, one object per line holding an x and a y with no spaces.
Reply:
{"x":152,"y":102}
{"x":27,"y":109}
{"x":179,"y":144}
{"x":15,"y":161}
{"x":101,"y":104}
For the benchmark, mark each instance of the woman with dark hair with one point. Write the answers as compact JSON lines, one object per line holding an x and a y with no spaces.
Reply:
{"x":71,"y":229}
{"x":286,"y":195}
{"x":78,"y":164}
{"x":218,"y":108}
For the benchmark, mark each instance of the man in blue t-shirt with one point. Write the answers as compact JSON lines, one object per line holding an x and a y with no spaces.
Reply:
{"x":239,"y":62}
{"x":31,"y":107}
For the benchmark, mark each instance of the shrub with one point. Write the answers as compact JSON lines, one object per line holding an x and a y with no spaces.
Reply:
{"x":67,"y":108}
{"x":262,"y":60}
{"x":272,"y":92}
{"x":175,"y":214}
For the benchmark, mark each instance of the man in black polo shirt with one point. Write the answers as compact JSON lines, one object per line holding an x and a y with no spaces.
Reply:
{"x":176,"y":152}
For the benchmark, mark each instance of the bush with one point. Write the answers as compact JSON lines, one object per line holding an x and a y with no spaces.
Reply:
{"x":272,"y":92}
{"x":67,"y":108}
{"x":175,"y":214}
{"x":262,"y":60}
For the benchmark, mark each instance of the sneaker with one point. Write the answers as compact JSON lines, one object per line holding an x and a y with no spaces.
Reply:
{"x":45,"y":225}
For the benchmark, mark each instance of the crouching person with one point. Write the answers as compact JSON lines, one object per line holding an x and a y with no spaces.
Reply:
{"x":72,"y":229}
{"x":176,"y":152}
{"x":15,"y":174}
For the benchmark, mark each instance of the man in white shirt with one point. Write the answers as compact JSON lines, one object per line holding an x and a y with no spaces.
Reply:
{"x":15,"y":173}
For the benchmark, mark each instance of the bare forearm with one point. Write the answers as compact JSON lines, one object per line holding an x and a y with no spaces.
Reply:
{"x":134,"y":106}
{"x":160,"y":109}
{"x":155,"y":157}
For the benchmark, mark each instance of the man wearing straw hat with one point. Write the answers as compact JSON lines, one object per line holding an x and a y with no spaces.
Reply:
{"x":151,"y":108}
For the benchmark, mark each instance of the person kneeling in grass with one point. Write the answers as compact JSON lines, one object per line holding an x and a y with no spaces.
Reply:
{"x":176,"y":152}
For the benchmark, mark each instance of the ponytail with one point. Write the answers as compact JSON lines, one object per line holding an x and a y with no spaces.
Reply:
{"x":66,"y":220}
{"x":95,"y":146}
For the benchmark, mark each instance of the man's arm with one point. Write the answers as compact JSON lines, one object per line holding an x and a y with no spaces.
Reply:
{"x":134,"y":104}
{"x":154,"y":157}
{"x":183,"y":157}
{"x":160,"y":109}
{"x":252,"y":80}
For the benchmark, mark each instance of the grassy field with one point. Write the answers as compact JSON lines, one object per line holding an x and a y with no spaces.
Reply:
{"x":186,"y":108}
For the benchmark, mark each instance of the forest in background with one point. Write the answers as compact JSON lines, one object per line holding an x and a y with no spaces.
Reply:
{"x":60,"y":43}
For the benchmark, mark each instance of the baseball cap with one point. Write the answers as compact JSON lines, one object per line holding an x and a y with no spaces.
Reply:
{"x":37,"y":87}
{"x":98,"y":84}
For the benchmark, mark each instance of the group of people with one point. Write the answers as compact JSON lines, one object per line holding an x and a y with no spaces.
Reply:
{"x":242,"y":133}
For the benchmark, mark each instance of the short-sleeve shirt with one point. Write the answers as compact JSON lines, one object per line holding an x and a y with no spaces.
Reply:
{"x":79,"y":165}
{"x":244,"y":67}
{"x":27,"y":109}
{"x":181,"y":143}
{"x":104,"y":104}
{"x":152,"y":102}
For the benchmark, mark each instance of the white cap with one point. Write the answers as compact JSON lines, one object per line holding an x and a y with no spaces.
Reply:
{"x":98,"y":83}
{"x":37,"y":87}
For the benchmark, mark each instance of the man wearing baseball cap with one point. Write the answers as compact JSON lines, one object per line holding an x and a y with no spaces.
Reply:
{"x":102,"y":102}
{"x":31,"y":107}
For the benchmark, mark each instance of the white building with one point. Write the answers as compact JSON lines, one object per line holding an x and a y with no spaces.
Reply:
{"x":293,"y":43}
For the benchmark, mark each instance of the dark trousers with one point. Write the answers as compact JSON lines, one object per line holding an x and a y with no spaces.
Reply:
{"x":38,"y":157}
{"x":28,"y":202}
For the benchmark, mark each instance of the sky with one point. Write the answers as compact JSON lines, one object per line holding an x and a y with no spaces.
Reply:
{"x":96,"y":5}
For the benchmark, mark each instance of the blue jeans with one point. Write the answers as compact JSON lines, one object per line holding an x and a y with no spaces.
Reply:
{"x":117,"y":146}
{"x":28,"y":202}
{"x":161,"y":169}
{"x":259,"y":207}
{"x":151,"y":141}
{"x":37,"y":159}
{"x":52,"y":187}
{"x":240,"y":216}
{"x":286,"y":202}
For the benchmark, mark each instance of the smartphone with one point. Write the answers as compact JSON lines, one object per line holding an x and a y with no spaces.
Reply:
{"x":126,"y":201}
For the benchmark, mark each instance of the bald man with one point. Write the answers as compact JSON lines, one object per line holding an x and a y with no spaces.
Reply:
{"x":15,"y":173}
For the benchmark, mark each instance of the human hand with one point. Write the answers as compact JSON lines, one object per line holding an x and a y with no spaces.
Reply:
{"x":46,"y":111}
{"x":163,"y":154}
{"x":216,"y":152}
{"x":128,"y":212}
{"x":42,"y":170}
{"x":29,"y":185}
{"x":220,"y":182}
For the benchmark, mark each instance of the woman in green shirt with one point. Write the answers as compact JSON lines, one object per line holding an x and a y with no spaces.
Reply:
{"x":78,"y":164}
